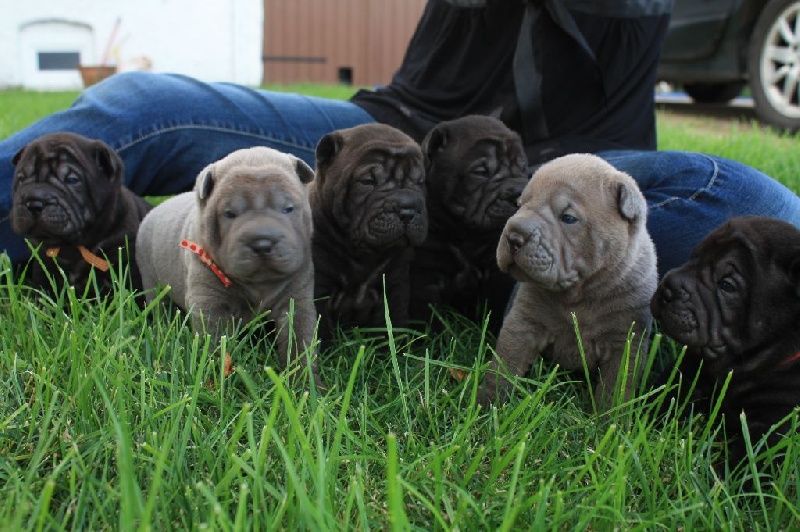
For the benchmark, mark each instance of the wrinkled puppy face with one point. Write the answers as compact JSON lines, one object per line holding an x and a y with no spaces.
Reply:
{"x":578,"y":217}
{"x":255,"y":220}
{"x":371,"y":181}
{"x":737,"y":292}
{"x":62,"y":184}
{"x":475,"y":171}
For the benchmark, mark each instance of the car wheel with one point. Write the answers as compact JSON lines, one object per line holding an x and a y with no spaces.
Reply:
{"x":713,"y":92}
{"x":774,"y":64}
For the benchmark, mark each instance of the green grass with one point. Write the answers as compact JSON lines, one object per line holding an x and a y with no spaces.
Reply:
{"x":773,"y":153}
{"x":116,"y":417}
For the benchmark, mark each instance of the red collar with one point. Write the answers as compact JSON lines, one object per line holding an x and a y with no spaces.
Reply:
{"x":205,"y":258}
{"x":791,"y":359}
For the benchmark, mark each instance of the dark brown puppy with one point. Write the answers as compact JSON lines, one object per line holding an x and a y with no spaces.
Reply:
{"x":368,"y":204}
{"x":475,"y":172}
{"x":736,"y":305}
{"x":68,"y":196}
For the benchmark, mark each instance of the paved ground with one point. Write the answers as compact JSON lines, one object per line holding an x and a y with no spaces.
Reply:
{"x":678,"y":102}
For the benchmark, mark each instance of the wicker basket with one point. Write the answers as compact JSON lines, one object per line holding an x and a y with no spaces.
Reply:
{"x":95,"y":74}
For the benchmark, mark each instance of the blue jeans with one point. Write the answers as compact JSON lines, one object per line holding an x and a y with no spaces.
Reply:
{"x":168,"y":127}
{"x":689,"y":194}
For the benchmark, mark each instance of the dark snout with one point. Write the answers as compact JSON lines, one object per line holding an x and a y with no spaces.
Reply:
{"x":670,"y":291}
{"x":34,"y":206}
{"x":511,"y":191}
{"x":408,"y":207}
{"x":407,"y":214}
{"x":34,"y":203}
{"x":39,"y":214}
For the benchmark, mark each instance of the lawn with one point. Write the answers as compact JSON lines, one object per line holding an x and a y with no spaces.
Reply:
{"x":113,"y":417}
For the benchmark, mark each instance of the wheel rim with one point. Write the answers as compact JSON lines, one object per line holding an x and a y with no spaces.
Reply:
{"x":780,"y":62}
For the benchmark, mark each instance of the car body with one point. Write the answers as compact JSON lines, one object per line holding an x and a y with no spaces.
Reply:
{"x":714,"y":48}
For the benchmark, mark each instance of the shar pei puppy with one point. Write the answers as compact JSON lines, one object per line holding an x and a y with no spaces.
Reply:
{"x":578,"y":246}
{"x":69,"y":200}
{"x":475,"y":172}
{"x":237,"y":246}
{"x":736,"y":306}
{"x":368,"y":201}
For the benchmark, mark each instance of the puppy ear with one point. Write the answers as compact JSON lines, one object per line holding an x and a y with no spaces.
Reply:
{"x":107,"y":160}
{"x":205,"y":184}
{"x":435,"y":141}
{"x":304,"y":172}
{"x":328,"y":148}
{"x":629,"y":202}
{"x":15,"y":159}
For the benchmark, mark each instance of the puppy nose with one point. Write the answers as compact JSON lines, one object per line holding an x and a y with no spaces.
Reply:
{"x":511,"y":192}
{"x":406,"y":214}
{"x":666,"y":294}
{"x":515,"y":240}
{"x":35,"y":206}
{"x":261,"y":246}
{"x":673,"y":289}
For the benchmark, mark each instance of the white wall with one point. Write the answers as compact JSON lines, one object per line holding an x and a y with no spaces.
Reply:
{"x":213,"y":40}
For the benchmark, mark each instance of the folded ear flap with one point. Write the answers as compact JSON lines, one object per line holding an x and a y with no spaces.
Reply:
{"x":108,"y":160}
{"x":205,"y":184}
{"x":630,"y":201}
{"x":15,"y":159}
{"x":516,"y":151}
{"x":435,"y":141}
{"x":304,"y":172}
{"x":328,"y":148}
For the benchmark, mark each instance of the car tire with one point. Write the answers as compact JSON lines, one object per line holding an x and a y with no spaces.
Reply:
{"x":773,"y":63}
{"x":713,"y":92}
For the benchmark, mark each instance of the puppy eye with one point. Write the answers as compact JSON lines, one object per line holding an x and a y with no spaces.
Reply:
{"x":71,"y":179}
{"x":726,"y":286}
{"x":228,"y":213}
{"x":367,"y":180}
{"x":481,"y":171}
{"x":288,"y":209}
{"x":568,"y":219}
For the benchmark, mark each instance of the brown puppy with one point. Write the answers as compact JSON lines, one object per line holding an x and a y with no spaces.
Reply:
{"x":736,"y":305}
{"x":237,"y":246}
{"x":368,"y":201}
{"x":578,"y":245}
{"x":68,"y":196}
{"x":475,"y":172}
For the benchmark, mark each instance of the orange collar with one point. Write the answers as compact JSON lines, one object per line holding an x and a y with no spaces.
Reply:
{"x":90,"y":258}
{"x":205,"y":258}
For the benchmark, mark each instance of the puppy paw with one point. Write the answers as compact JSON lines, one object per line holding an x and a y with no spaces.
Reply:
{"x":493,"y":391}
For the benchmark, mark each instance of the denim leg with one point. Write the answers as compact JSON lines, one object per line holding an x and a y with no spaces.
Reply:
{"x":690,"y":194}
{"x":167,"y":128}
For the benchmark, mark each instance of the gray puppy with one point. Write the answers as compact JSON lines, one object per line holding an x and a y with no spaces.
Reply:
{"x":578,"y":245}
{"x":237,"y":246}
{"x":368,"y":200}
{"x":68,"y":196}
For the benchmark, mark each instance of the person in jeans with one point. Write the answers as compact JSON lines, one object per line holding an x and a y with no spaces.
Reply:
{"x":568,"y":75}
